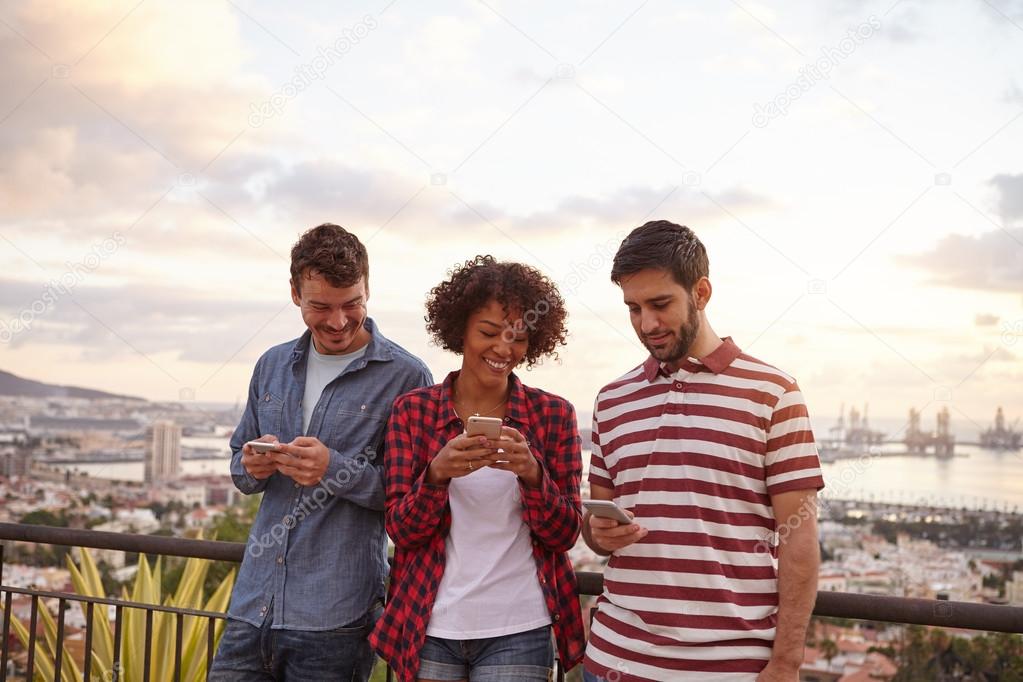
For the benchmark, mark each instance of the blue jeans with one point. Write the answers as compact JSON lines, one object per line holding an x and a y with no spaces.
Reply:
{"x":250,"y":653}
{"x":519,"y":657}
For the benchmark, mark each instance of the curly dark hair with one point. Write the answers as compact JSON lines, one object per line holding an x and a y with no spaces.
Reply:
{"x":331,"y":251}
{"x":517,"y":287}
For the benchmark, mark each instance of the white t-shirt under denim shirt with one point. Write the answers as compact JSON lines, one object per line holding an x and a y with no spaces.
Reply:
{"x":490,"y":587}
{"x":320,"y":370}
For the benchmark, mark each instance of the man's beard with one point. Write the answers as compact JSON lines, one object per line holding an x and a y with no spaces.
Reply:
{"x":685,"y":336}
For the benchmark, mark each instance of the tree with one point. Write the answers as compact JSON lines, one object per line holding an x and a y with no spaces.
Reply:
{"x":828,"y":650}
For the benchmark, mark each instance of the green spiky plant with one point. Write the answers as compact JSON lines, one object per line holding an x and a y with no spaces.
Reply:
{"x":146,"y":589}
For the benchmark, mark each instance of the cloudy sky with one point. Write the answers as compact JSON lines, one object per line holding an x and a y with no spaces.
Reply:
{"x":853,"y":167}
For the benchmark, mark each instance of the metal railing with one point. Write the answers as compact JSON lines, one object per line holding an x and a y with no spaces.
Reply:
{"x":951,"y":614}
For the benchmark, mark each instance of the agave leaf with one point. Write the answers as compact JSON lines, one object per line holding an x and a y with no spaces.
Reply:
{"x":88,"y":584}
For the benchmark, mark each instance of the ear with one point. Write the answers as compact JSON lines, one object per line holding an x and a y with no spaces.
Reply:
{"x":702,"y":291}
{"x":295,"y":296}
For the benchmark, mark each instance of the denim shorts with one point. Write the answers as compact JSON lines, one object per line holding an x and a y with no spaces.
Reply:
{"x":521,"y":657}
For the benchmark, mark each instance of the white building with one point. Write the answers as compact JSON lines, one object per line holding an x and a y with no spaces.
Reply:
{"x":163,"y":453}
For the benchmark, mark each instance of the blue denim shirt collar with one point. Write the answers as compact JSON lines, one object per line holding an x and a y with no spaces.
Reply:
{"x":378,"y":349}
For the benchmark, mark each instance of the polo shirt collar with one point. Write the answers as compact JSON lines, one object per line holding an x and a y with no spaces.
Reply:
{"x":515,"y":409}
{"x":717,"y":361}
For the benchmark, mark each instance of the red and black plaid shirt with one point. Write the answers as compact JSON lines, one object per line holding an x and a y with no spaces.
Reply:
{"x":419,"y":516}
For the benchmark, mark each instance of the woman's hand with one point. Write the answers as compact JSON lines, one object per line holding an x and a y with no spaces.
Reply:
{"x":514,"y":455}
{"x":461,"y":456}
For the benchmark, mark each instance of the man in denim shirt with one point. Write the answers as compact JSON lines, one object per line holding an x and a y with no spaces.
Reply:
{"x":310,"y":586}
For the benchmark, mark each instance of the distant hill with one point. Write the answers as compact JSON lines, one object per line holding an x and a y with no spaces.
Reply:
{"x":15,"y":385}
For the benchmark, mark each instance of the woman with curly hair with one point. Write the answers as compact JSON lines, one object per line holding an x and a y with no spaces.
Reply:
{"x":481,"y":528}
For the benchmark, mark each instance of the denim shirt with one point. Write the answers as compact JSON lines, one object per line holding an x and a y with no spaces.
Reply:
{"x":316,"y":557}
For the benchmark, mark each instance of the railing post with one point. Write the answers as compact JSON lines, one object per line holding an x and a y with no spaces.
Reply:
{"x":148,"y":657}
{"x":7,"y":634}
{"x":178,"y":635}
{"x":58,"y":649}
{"x":33,"y":622}
{"x":210,"y":630}
{"x":89,"y":609}
{"x":118,"y":617}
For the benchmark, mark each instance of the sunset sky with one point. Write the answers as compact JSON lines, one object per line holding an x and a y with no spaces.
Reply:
{"x":854,"y":168}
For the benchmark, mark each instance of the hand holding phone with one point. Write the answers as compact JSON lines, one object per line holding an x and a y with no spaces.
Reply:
{"x":256,"y":457}
{"x":606,"y":509}
{"x":484,"y":426}
{"x":263,"y":447}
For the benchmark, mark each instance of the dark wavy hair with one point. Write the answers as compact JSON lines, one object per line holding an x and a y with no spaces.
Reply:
{"x":331,"y":251}
{"x":518,"y":288}
{"x":662,"y":245}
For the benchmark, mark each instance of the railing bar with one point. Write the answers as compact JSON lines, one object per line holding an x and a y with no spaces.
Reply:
{"x":33,"y":621}
{"x":178,"y":636}
{"x":116,"y":670}
{"x":58,"y":647}
{"x":111,"y":602}
{"x":89,"y":615}
{"x":7,"y":634}
{"x":148,"y":656}
{"x":215,"y":550}
{"x":210,"y":630}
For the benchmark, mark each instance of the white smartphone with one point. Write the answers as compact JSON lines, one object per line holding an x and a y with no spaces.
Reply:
{"x":262,"y":447}
{"x":484,"y":426}
{"x":606,"y":509}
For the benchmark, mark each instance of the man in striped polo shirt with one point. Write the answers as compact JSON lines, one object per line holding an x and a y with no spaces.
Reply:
{"x":710,"y":450}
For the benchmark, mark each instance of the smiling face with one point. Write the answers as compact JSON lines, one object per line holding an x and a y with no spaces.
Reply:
{"x":663,"y":313}
{"x":494,"y":345}
{"x":336,"y":316}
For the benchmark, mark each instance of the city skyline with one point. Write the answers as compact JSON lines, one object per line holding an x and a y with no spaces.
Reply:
{"x":851,"y":173}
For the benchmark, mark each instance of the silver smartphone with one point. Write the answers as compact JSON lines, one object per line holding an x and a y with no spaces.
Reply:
{"x":262,"y":447}
{"x":606,"y":509}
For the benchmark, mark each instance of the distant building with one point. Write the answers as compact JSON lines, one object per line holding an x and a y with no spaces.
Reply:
{"x":1014,"y":589}
{"x":15,"y":461}
{"x":163,"y":452}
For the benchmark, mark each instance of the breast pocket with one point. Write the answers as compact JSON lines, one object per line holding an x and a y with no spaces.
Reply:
{"x":268,"y":413}
{"x":358,"y":427}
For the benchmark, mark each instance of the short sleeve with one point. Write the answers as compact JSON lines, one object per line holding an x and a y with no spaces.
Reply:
{"x":599,"y":474}
{"x":792,"y":462}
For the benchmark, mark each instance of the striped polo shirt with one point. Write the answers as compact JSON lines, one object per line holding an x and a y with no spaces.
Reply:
{"x":696,"y":455}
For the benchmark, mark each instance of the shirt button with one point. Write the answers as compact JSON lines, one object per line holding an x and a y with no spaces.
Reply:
{"x":678,"y":385}
{"x":263,"y":610}
{"x":280,"y":560}
{"x":557,"y":617}
{"x":297,"y":485}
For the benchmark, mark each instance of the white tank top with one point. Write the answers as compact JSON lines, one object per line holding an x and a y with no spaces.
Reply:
{"x":490,"y":586}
